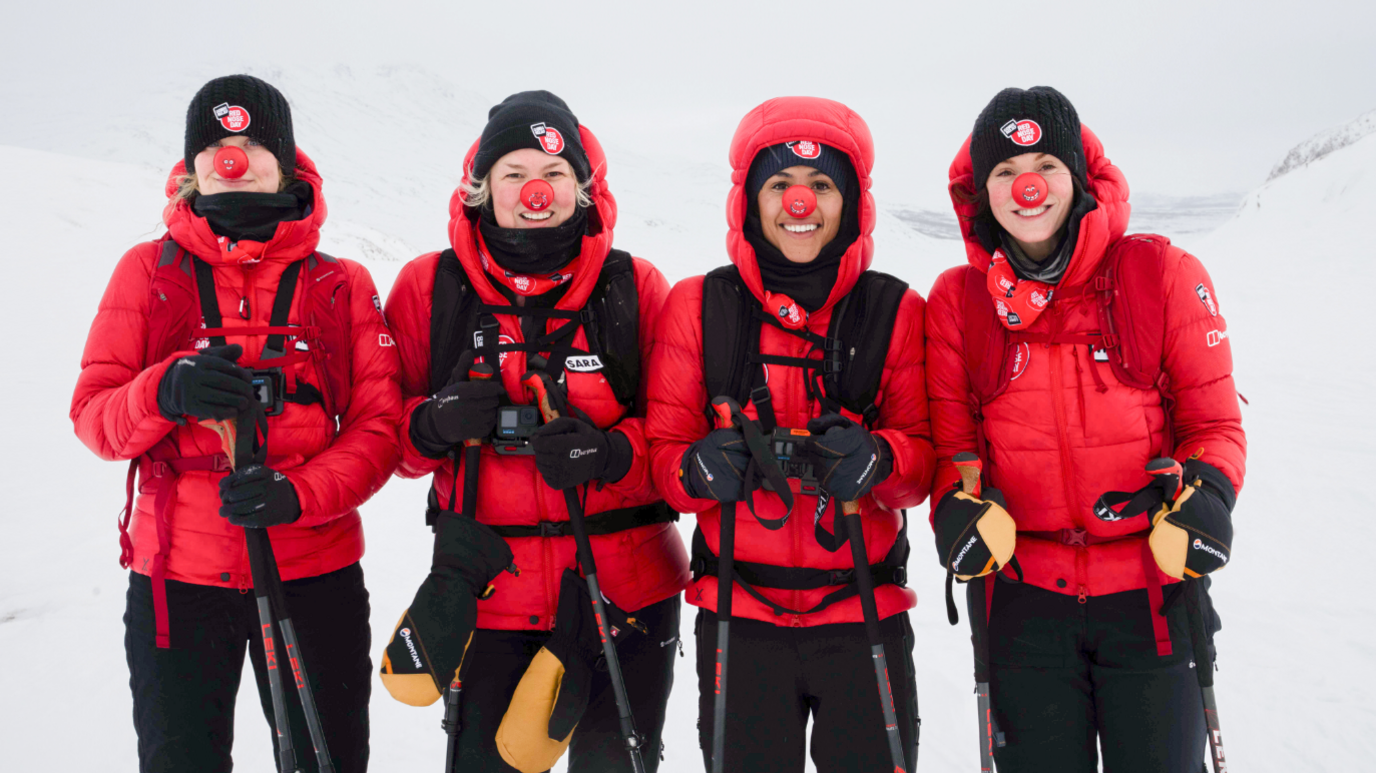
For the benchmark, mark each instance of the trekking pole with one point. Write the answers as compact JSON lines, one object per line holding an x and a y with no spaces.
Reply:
{"x":727,"y":412}
{"x":1205,"y":671}
{"x":969,"y":466}
{"x":242,"y":448}
{"x":539,"y":382}
{"x":850,"y":511}
{"x":472,"y":455}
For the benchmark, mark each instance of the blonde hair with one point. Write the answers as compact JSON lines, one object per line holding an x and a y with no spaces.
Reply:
{"x":477,"y":193}
{"x":188,"y":187}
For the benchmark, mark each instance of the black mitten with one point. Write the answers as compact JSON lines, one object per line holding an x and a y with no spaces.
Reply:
{"x":258,"y":496}
{"x":570,"y":452}
{"x":430,"y":640}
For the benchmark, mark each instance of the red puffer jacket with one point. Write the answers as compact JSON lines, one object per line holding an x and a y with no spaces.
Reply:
{"x":638,"y":566}
{"x":334,"y":470}
{"x":678,"y":398}
{"x":1056,"y":438}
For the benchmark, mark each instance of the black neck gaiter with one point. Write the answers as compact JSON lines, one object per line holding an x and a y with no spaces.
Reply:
{"x":534,"y":251}
{"x":807,"y":283}
{"x":254,"y":216}
{"x":1050,"y":269}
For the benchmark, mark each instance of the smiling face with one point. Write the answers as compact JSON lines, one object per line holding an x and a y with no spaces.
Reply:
{"x":263,"y":175}
{"x":800,"y":239}
{"x":517,"y":168}
{"x":1035,"y":230}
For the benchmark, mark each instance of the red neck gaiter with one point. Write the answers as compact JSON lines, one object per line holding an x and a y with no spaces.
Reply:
{"x":1019,"y":301}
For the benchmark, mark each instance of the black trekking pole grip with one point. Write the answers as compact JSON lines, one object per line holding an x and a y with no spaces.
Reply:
{"x":538,"y":381}
{"x":850,"y":511}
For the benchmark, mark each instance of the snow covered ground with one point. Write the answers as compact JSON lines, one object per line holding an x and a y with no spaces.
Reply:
{"x":1298,"y":666}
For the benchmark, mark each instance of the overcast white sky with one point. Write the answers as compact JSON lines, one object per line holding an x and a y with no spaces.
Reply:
{"x":1189,"y":97}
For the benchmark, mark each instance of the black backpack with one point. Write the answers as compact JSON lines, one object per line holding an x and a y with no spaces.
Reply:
{"x":855,"y":346}
{"x":460,"y":322}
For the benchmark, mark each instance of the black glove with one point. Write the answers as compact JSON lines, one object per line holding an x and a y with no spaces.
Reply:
{"x":464,"y":410}
{"x":714,"y":467}
{"x":430,"y":641}
{"x":849,"y":460}
{"x":973,"y":536}
{"x":570,"y":452}
{"x":257,"y":496}
{"x":207,"y":385}
{"x":1194,"y":536}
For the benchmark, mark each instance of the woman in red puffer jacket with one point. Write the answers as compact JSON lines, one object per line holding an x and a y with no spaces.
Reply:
{"x":164,"y":353}
{"x":797,"y":646}
{"x":1076,"y":363}
{"x":535,"y":285}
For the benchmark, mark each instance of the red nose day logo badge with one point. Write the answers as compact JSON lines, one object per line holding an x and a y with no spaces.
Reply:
{"x":786,"y":309}
{"x":1024,"y":132}
{"x":805,"y":149}
{"x":551,"y":141}
{"x":232,"y":117}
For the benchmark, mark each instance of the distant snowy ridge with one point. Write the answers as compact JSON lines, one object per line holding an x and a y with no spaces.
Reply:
{"x":1325,"y":142}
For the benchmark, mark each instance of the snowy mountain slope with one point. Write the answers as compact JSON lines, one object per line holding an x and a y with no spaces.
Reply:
{"x":1295,"y":689}
{"x":1324,"y":143}
{"x":1296,"y":655}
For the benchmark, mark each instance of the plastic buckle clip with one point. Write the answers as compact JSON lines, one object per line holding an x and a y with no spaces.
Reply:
{"x":1074,"y":538}
{"x":841,"y":577}
{"x":551,"y":529}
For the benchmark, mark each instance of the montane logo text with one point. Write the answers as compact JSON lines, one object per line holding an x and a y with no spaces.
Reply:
{"x":868,"y":467}
{"x":955,"y":565}
{"x":1199,"y":545}
{"x":411,"y":647}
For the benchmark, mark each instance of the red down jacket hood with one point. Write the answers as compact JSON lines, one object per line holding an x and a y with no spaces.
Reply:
{"x":785,"y":119}
{"x":597,"y":242}
{"x":294,"y":240}
{"x":1098,"y":230}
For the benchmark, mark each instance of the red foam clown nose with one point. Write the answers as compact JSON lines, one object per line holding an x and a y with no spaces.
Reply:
{"x":537,"y":195}
{"x":799,"y":201}
{"x":230,"y":162}
{"x":1029,"y":190}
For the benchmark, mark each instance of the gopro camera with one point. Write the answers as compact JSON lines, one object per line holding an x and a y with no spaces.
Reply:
{"x":270,"y":387}
{"x":515,"y":425}
{"x":787,"y":445}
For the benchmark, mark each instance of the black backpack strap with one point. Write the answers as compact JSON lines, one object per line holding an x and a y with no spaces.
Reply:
{"x":863,"y":321}
{"x":891,"y":571}
{"x":454,"y":321}
{"x":613,"y":327}
{"x":281,"y":310}
{"x":607,"y":522}
{"x":727,"y":329}
{"x":210,"y":306}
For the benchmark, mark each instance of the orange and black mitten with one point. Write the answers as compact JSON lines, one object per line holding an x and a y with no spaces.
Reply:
{"x":1193,"y":536}
{"x":1190,"y":507}
{"x":974,"y":536}
{"x":553,"y":693}
{"x":430,"y":641}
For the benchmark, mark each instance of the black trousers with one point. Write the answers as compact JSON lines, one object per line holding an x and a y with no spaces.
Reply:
{"x":779,"y":676}
{"x":496,"y":661}
{"x":184,"y":696}
{"x":1067,"y":678}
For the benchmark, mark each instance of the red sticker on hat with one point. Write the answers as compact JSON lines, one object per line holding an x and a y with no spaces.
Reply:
{"x":551,"y":141}
{"x":232,"y":117}
{"x":1024,"y":132}
{"x":806,"y":149}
